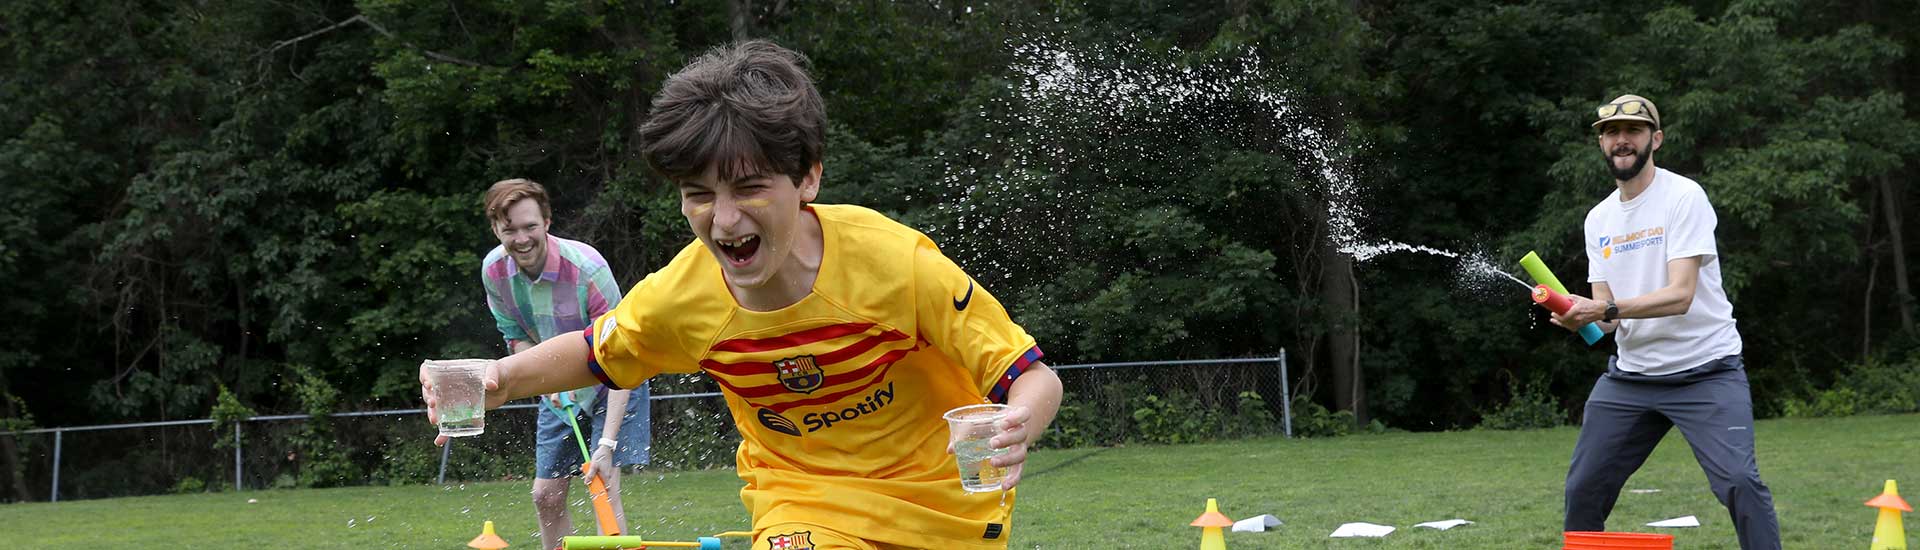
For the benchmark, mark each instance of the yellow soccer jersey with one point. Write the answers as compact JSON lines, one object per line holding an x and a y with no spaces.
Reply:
{"x":838,"y":398}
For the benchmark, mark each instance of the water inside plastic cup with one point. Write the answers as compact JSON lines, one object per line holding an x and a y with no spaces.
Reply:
{"x":461,"y":397}
{"x":971,"y":429}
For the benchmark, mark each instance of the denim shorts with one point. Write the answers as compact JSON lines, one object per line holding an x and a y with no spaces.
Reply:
{"x":556,"y":455}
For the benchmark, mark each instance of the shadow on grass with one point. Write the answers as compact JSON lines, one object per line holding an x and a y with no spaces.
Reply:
{"x":1067,"y":462}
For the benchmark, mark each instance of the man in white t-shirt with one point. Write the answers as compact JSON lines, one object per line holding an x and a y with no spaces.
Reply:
{"x":1655,"y":272}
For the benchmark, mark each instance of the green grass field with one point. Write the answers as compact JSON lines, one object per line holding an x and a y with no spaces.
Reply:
{"x":1508,"y":483}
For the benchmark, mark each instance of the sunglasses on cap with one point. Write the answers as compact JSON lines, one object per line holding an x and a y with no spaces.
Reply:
{"x":1631,"y":107}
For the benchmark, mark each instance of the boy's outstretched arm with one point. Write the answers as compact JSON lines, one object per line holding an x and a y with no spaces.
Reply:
{"x":558,"y":364}
{"x":1032,"y":402}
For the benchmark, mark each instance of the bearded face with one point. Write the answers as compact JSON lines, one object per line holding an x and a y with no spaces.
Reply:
{"x":1626,"y":161}
{"x":1626,"y":147}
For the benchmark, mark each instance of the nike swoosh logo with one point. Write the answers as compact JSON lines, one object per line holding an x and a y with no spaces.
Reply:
{"x":961,"y":304}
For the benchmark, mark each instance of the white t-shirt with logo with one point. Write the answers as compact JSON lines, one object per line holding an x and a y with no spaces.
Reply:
{"x":1628,"y":246}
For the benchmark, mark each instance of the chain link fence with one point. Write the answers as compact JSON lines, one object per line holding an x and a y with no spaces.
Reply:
{"x":1164,"y":402}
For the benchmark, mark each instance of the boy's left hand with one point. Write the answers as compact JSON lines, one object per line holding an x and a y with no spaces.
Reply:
{"x":1013,"y":437}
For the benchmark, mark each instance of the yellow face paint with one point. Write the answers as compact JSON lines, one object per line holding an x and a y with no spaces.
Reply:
{"x":702,"y":208}
{"x":755,"y":203}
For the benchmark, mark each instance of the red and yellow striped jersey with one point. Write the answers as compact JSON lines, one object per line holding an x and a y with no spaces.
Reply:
{"x":838,"y":398}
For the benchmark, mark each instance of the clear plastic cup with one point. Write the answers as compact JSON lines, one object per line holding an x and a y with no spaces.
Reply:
{"x":461,"y":397}
{"x":971,"y":427}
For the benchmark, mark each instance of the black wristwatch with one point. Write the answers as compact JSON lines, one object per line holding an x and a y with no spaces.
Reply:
{"x":1613,"y":312}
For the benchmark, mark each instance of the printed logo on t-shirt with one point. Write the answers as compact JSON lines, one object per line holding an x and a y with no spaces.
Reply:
{"x":1631,"y":241}
{"x":879,"y":399}
{"x":773,"y":421}
{"x":960,"y":304}
{"x":802,"y":540}
{"x":799,"y":374}
{"x":811,"y":377}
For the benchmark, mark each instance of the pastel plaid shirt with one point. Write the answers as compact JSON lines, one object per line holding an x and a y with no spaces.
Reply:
{"x":574,"y":287}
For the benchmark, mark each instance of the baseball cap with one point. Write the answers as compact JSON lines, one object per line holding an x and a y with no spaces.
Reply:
{"x":1629,"y":107}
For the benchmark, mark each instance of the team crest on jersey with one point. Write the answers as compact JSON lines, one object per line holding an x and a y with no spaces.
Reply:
{"x":802,"y":540}
{"x":799,"y":373}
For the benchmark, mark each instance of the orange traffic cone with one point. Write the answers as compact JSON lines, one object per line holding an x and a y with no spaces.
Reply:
{"x":1211,"y":538}
{"x":1887,"y":533}
{"x":487,"y":540}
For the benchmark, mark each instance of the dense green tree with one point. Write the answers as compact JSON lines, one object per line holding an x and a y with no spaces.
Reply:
{"x":210,"y":193}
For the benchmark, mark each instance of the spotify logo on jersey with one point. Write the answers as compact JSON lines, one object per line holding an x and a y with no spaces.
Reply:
{"x":773,"y":421}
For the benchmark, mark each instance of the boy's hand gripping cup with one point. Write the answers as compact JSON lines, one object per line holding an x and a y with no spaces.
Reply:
{"x":971,"y":429}
{"x":460,"y":394}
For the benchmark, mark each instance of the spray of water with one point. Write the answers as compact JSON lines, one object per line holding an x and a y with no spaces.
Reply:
{"x":1065,"y":96}
{"x":1476,"y":265}
{"x":1073,"y":113}
{"x":1476,"y":275}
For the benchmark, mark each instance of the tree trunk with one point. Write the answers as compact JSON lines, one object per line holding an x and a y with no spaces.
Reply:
{"x":1339,"y":301}
{"x":1305,"y":253}
{"x":1340,"y":295}
{"x":9,"y":449}
{"x":1903,"y":295}
{"x":1866,"y":308}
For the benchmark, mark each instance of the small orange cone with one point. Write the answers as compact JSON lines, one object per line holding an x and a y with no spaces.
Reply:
{"x":1211,"y":538}
{"x":487,"y":540}
{"x":1888,"y":534}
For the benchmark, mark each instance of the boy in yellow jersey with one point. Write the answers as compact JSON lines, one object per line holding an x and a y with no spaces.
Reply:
{"x":837,"y":335}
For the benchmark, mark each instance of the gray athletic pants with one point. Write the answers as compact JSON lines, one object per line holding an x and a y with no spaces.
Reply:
{"x":1626,"y":416}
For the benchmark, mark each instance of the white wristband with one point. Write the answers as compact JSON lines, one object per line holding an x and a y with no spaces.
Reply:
{"x":609,"y":443}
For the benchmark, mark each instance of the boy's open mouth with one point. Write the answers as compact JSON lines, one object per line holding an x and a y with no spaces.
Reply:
{"x":741,"y":250}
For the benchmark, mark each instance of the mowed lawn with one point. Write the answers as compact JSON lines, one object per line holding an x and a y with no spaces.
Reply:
{"x":1508,"y":483}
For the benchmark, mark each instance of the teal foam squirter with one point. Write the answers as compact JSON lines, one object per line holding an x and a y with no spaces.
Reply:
{"x":1541,"y":275}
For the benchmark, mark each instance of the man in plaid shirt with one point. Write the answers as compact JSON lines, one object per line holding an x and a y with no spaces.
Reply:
{"x":540,"y":286}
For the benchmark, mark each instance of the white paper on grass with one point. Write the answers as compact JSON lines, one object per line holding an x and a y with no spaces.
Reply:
{"x":1360,"y":529}
{"x":1687,"y":521}
{"x":1256,"y":524}
{"x":1444,"y":524}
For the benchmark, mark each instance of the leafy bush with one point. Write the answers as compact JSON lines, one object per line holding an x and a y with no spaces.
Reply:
{"x":1130,"y":410}
{"x":1252,"y":417}
{"x":17,"y":423}
{"x":1073,"y":426}
{"x":1100,"y":415}
{"x":22,"y":445}
{"x":476,"y":461}
{"x":189,"y":484}
{"x":227,"y":411}
{"x":404,"y":459}
{"x":1532,"y":407}
{"x":690,"y":435}
{"x":1870,"y":387}
{"x":321,"y":460}
{"x":1312,"y":420}
{"x":1174,"y":419}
